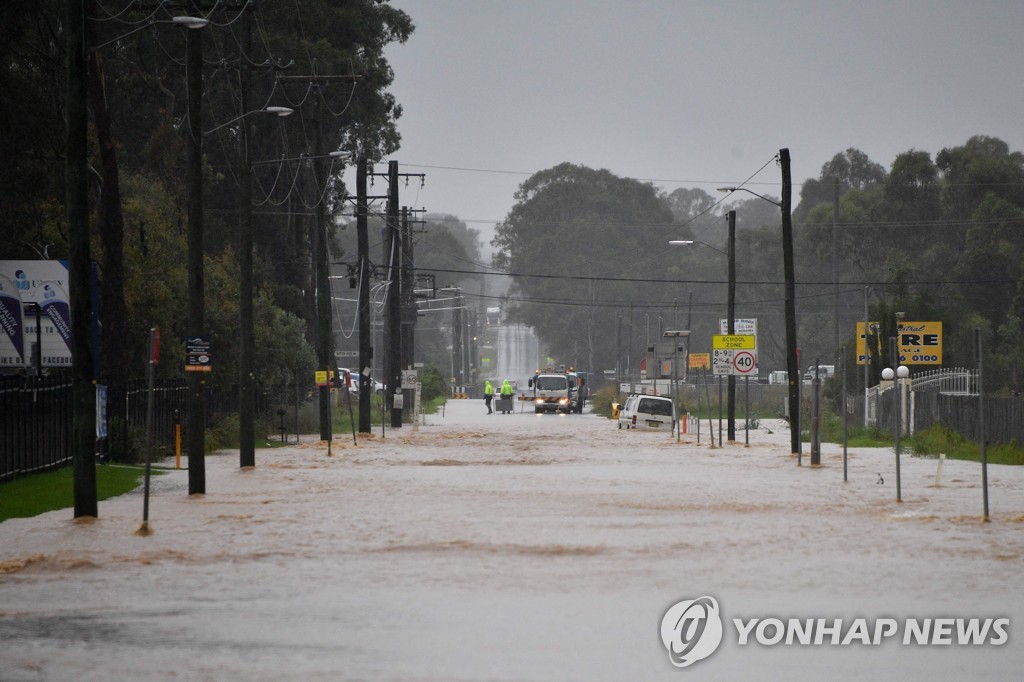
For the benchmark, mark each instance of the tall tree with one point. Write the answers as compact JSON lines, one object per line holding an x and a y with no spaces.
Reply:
{"x":566,"y":241}
{"x":854,"y":170}
{"x":113,"y":370}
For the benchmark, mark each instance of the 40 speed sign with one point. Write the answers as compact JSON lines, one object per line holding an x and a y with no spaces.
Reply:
{"x":731,"y":362}
{"x":744,"y":362}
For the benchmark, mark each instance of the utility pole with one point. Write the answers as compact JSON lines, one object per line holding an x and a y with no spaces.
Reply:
{"x":408,"y":297}
{"x":731,"y":324}
{"x":246,"y":383}
{"x":792,"y":363}
{"x":77,"y":196}
{"x":458,"y":368}
{"x":393,"y":324}
{"x":365,"y":333}
{"x":324,"y":341}
{"x":393,"y":239}
{"x":195,"y":425}
{"x":835,"y":275}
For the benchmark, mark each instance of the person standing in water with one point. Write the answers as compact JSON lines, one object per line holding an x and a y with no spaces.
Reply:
{"x":488,"y":395}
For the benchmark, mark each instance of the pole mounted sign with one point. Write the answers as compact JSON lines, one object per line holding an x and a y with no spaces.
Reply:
{"x":197,"y":354}
{"x":744,"y":362}
{"x":721,"y":361}
{"x":734,"y":341}
{"x":733,"y":354}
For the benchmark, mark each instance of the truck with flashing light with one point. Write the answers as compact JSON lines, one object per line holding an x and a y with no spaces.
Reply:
{"x":551,"y":392}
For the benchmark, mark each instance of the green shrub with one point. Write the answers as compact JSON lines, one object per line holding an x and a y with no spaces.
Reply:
{"x":432,"y":383}
{"x":601,"y":400}
{"x":125,"y":442}
{"x":857,"y":435}
{"x":938,"y":439}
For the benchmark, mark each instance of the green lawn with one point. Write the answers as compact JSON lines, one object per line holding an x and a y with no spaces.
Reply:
{"x":33,"y":495}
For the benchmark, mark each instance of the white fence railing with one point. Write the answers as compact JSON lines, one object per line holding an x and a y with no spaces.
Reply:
{"x":952,"y":381}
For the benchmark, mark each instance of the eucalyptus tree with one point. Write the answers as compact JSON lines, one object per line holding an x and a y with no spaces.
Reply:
{"x":586,"y":249}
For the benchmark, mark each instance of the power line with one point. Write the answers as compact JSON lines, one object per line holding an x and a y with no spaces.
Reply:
{"x":661,"y":280}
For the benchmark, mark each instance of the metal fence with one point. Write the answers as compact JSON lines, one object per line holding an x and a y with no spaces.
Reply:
{"x":1004,"y":416}
{"x":881,"y":403}
{"x":36,"y":418}
{"x":35,"y":424}
{"x":948,"y":397}
{"x":170,"y":399}
{"x":953,"y":381}
{"x":765,"y":401}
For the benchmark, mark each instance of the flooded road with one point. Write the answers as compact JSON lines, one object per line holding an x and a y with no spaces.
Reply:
{"x":513,"y":547}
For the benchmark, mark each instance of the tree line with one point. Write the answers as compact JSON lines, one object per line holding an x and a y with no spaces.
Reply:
{"x":937,"y":238}
{"x":322,"y":61}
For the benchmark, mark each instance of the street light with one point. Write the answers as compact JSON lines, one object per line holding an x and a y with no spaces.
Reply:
{"x":184,"y":22}
{"x":247,"y":343}
{"x":78,"y":220}
{"x":792,"y":364}
{"x":730,"y":190}
{"x":280,"y":112}
{"x":901,"y":373}
{"x":687,"y":242}
{"x":195,"y":319}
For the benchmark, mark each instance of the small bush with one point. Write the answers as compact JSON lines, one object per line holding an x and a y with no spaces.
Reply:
{"x":125,"y":442}
{"x":223,"y":434}
{"x":938,"y":439}
{"x":857,"y":435}
{"x":601,"y":400}
{"x":432,"y":383}
{"x":935,"y":440}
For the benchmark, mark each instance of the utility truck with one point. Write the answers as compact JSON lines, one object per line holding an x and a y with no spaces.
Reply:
{"x":552,"y":392}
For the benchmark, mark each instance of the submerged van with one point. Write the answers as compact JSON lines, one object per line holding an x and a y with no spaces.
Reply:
{"x":625,"y":411}
{"x":648,"y":412}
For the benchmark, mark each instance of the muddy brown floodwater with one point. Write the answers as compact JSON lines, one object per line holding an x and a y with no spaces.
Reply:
{"x":517,"y":547}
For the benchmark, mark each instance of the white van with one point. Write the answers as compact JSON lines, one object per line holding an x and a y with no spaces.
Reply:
{"x":626,"y":411}
{"x":648,"y":412}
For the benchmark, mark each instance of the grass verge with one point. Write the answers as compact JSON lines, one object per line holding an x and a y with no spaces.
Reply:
{"x":938,"y":439}
{"x":39,"y":493}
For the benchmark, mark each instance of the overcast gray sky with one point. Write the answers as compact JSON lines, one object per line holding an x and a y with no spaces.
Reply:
{"x":693,"y":93}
